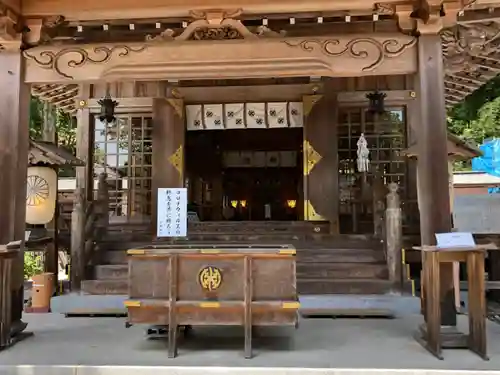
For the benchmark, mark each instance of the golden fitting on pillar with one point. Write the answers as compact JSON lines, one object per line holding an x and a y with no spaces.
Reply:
{"x":413,"y":94}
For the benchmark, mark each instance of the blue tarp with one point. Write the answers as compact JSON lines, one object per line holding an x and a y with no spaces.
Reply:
{"x":490,"y":161}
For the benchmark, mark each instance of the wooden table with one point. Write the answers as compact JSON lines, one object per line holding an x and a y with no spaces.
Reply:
{"x":473,"y":256}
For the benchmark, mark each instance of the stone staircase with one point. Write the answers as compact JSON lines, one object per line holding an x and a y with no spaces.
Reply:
{"x":334,"y":272}
{"x":326,"y":264}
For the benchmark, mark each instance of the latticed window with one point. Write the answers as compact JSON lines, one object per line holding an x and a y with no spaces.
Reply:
{"x":123,"y":151}
{"x":386,"y":137}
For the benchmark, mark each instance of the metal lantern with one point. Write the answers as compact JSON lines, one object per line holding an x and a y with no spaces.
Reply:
{"x":376,"y":104}
{"x":108,"y":106}
{"x":41,"y":194}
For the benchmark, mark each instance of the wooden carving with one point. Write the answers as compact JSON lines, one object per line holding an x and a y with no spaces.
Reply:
{"x":215,"y":25}
{"x":369,"y":49}
{"x":10,"y":35}
{"x":74,"y":57}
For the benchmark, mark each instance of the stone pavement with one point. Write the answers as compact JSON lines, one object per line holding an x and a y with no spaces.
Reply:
{"x":319,"y":346}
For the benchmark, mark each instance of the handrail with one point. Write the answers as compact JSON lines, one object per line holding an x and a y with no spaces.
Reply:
{"x":89,"y":224}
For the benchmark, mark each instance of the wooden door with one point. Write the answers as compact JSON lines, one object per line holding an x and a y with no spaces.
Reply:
{"x":321,"y":160}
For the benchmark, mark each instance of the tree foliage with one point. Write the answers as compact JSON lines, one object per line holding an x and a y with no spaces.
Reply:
{"x":477,"y":118}
{"x":65,"y":128}
{"x":33,"y":264}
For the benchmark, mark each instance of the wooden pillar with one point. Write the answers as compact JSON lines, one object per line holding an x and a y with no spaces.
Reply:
{"x":168,"y":145}
{"x":84,"y":188}
{"x":49,"y":134}
{"x":434,"y":195}
{"x":320,"y":157}
{"x":14,"y":146}
{"x":84,"y":142}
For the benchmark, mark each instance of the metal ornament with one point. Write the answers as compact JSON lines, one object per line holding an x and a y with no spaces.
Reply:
{"x":376,"y":102}
{"x":210,"y":278}
{"x":108,"y":106}
{"x":363,"y":153}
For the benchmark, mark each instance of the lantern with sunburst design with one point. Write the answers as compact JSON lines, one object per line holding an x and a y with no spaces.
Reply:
{"x":41,"y":193}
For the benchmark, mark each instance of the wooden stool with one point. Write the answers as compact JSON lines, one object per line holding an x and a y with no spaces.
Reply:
{"x":432,"y":256}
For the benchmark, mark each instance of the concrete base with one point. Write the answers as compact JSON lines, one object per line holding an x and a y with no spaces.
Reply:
{"x":84,"y":304}
{"x":136,"y":370}
{"x":92,"y":346}
{"x":349,"y":305}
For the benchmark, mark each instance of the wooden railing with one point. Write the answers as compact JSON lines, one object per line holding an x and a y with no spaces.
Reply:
{"x":89,"y":225}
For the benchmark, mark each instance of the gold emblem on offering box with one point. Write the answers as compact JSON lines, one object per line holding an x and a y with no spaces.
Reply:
{"x":210,"y":278}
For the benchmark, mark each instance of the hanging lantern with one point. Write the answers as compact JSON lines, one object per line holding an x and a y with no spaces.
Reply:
{"x":363,"y":154}
{"x":243,"y":203}
{"x":376,"y":104}
{"x":41,"y":194}
{"x":291,"y":203}
{"x":108,"y":106}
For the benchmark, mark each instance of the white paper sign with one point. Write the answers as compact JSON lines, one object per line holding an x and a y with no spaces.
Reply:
{"x":172,"y":212}
{"x":455,"y":239}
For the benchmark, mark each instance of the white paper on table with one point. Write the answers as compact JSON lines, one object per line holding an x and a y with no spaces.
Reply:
{"x":172,"y":212}
{"x":455,"y":239}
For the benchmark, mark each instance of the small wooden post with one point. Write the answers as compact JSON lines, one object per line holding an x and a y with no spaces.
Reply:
{"x":394,"y":237}
{"x":77,"y":270}
{"x":101,"y":211}
{"x":49,"y":134}
{"x":6,"y":260}
{"x":379,"y":192}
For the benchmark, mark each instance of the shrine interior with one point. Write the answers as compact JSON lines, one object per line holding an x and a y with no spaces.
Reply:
{"x":245,"y":174}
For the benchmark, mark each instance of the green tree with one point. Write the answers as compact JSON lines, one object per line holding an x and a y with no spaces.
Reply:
{"x":32,"y":264}
{"x":65,"y":128}
{"x":477,"y":118}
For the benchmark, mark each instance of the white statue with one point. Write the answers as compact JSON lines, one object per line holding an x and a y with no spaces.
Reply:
{"x":363,"y":154}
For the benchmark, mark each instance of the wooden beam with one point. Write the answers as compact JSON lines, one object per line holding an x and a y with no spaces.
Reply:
{"x":479,"y":15}
{"x":471,"y":86}
{"x":131,"y":9}
{"x":455,"y":91}
{"x":468,"y":78}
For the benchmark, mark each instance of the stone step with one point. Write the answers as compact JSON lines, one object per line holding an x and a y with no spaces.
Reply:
{"x":124,"y":241}
{"x":341,"y":271}
{"x":336,"y":255}
{"x":310,"y":305}
{"x":305,"y":286}
{"x":111,"y":272}
{"x":105,"y":287}
{"x":311,"y":255}
{"x":343,"y":286}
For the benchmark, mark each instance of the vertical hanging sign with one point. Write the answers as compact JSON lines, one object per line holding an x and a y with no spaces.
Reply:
{"x":172,"y":212}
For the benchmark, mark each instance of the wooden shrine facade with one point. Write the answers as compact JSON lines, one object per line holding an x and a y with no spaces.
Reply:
{"x":155,"y":58}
